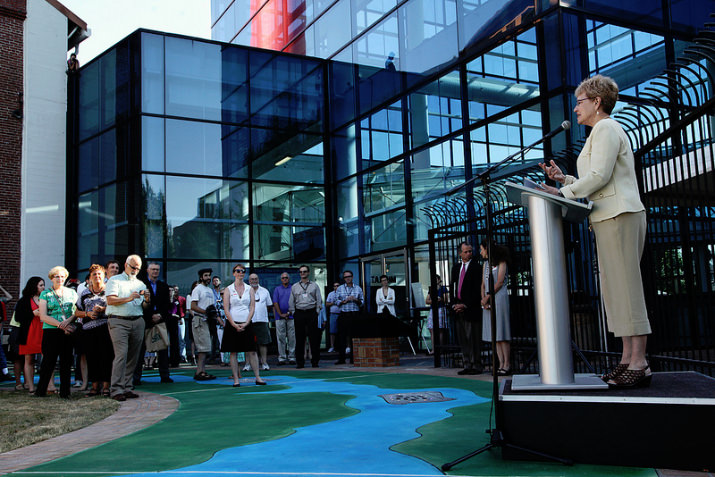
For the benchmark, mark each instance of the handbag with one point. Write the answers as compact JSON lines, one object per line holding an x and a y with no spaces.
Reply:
{"x":156,"y":338}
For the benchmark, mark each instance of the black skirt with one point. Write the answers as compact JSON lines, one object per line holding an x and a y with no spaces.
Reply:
{"x":234,"y":341}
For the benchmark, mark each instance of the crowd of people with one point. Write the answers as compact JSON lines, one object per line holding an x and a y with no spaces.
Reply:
{"x":114,"y":325}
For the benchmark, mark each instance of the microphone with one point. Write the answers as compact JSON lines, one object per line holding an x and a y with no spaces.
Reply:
{"x":565,"y":126}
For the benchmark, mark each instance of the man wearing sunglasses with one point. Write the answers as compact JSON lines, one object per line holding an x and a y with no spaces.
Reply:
{"x":305,"y":303}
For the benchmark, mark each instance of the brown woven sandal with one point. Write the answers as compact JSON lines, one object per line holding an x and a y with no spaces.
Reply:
{"x":632,"y":378}
{"x":615,"y":372}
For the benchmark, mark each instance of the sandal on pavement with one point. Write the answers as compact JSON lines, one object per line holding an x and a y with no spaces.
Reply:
{"x":105,"y":392}
{"x":632,"y":378}
{"x":92,"y":393}
{"x":19,"y":387}
{"x":615,"y":372}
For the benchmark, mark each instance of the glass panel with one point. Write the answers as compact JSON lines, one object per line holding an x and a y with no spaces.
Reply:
{"x":193,"y":148}
{"x":367,"y":12}
{"x":374,"y":48}
{"x":388,"y":230}
{"x":286,"y":92}
{"x":435,"y":110}
{"x":504,"y":77}
{"x":103,"y":231}
{"x":154,"y":193}
{"x":437,"y":169}
{"x":183,"y":274}
{"x":97,"y":161}
{"x":287,"y":242}
{"x":283,"y":203}
{"x":152,"y":144}
{"x":295,"y":158}
{"x":152,"y":73}
{"x":480,"y":19}
{"x":381,"y":135}
{"x":206,"y":218}
{"x":384,"y":188}
{"x":342,"y":92}
{"x":345,"y":152}
{"x":332,"y":30}
{"x":193,"y":79}
{"x":348,"y":222}
{"x":89,"y":96}
{"x":428,"y":34}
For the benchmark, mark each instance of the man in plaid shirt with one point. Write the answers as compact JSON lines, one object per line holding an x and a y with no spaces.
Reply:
{"x":349,"y":299}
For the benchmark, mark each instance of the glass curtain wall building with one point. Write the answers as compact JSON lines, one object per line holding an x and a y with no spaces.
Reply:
{"x":340,"y":142}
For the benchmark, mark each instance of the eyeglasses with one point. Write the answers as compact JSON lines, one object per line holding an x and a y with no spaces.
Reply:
{"x":133,"y":267}
{"x":239,"y":270}
{"x":284,"y":278}
{"x":304,"y":271}
{"x":347,"y":276}
{"x":579,"y":101}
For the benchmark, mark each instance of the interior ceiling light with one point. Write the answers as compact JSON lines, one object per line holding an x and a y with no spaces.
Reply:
{"x":283,"y":161}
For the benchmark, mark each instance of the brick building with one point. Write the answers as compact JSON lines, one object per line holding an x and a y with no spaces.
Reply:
{"x":35,"y":36}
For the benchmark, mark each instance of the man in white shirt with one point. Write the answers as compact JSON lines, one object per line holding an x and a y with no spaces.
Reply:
{"x":260,"y":320}
{"x":201,"y":298}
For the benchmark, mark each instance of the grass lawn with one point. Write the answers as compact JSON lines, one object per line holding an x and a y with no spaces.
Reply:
{"x":26,"y":419}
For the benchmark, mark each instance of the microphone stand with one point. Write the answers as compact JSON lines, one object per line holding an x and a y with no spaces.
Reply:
{"x":497,"y":438}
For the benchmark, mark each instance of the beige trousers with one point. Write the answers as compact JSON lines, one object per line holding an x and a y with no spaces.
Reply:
{"x":620,"y":242}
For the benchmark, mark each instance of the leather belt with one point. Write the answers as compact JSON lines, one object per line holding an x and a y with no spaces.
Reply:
{"x":130,"y":318}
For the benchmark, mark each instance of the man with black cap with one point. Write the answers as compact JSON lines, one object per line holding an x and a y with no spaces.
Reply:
{"x":201,"y":299}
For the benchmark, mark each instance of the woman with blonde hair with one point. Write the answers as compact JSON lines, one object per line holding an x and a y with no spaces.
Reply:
{"x":607,"y":176}
{"x":57,"y":307}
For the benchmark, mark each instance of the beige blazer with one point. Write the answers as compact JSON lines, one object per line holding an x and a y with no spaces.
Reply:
{"x":606,"y":173}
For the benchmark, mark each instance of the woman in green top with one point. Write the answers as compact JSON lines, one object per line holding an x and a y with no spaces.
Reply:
{"x":57,"y":307}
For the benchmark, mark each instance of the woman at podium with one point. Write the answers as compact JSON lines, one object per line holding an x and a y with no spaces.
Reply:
{"x":606,"y":176}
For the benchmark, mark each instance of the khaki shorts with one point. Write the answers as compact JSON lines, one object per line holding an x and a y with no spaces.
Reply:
{"x":202,"y":337}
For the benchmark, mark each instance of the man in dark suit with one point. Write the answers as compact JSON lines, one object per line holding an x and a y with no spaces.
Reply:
{"x":466,"y":283}
{"x":157,"y":312}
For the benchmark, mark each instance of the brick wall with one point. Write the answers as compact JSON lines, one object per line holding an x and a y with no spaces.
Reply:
{"x":376,"y":352}
{"x":12,"y":17}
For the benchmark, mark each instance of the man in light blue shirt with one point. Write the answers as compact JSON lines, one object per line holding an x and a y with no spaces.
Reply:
{"x":126,"y":298}
{"x":349,"y":298}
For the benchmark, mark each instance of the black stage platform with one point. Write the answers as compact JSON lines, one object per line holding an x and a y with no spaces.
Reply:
{"x":670,"y":424}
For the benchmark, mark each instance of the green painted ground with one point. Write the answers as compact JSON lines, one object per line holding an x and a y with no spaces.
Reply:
{"x":207,"y":421}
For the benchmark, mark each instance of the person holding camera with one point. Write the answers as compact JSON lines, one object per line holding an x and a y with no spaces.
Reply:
{"x":127,"y":297}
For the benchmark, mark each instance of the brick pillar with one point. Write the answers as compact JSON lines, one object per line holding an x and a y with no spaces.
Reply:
{"x":376,"y":352}
{"x":12,"y":18}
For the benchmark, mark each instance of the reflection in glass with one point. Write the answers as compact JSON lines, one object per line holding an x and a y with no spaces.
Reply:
{"x":98,"y":161}
{"x":152,"y":73}
{"x":288,"y":243}
{"x":384,"y":188}
{"x":288,"y":203}
{"x":388,"y":230}
{"x":348,"y":210}
{"x":428,"y":34}
{"x":152,"y":144}
{"x":287,"y":157}
{"x":102,"y":225}
{"x":193,"y":79}
{"x":154,"y":197}
{"x":435,"y":109}
{"x":206,"y":218}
